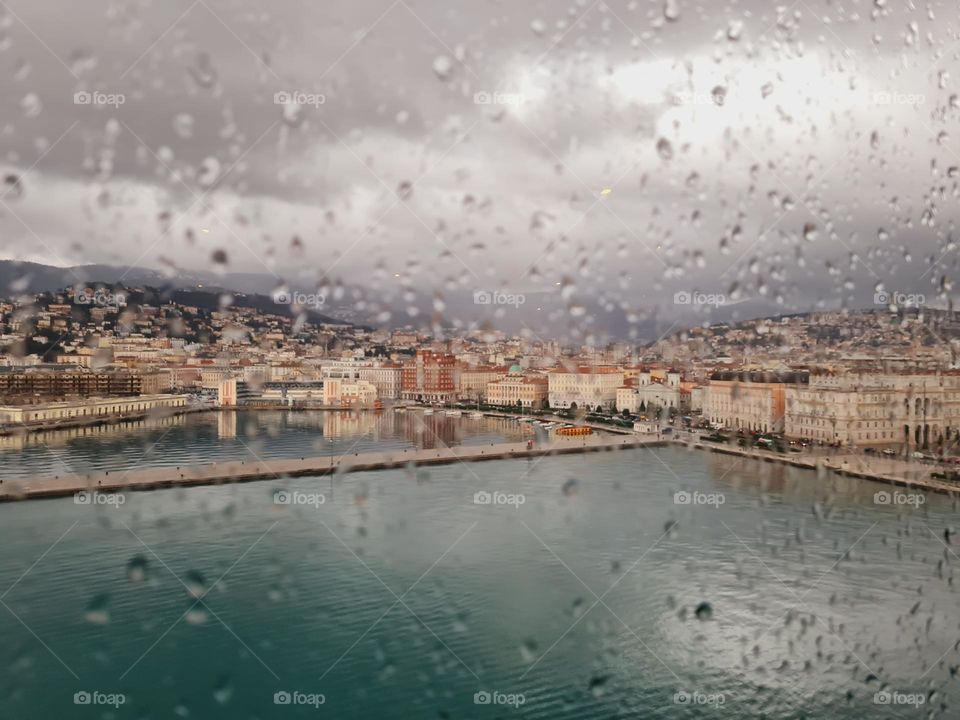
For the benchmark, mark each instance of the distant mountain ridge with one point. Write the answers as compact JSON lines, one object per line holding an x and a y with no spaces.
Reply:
{"x":201,"y":290}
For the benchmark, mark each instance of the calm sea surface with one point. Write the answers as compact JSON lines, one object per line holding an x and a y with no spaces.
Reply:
{"x":583,"y":591}
{"x":223,"y":436}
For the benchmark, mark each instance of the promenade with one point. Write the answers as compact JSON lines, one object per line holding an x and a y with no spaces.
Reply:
{"x":879,"y":469}
{"x":219,"y":473}
{"x":885,"y":470}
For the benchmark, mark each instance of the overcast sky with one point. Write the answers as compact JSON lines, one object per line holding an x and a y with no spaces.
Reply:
{"x":607,"y":154}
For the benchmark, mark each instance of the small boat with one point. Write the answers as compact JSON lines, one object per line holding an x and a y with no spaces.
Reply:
{"x":428,"y":411}
{"x":453,"y":413}
{"x":476,"y":415}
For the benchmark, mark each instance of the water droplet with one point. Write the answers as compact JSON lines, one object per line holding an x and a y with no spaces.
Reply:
{"x":183,"y":125}
{"x":443,"y":66}
{"x":196,"y":584}
{"x":671,"y":10}
{"x":209,"y":172}
{"x":203,"y":72}
{"x":223,"y":690}
{"x":598,"y":685}
{"x":528,"y":651}
{"x":664,"y":149}
{"x":98,"y":611}
{"x":31,"y":105}
{"x":13,"y":185}
{"x":137,"y":568}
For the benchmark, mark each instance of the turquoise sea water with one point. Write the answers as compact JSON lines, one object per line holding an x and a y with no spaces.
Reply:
{"x":595,"y":595}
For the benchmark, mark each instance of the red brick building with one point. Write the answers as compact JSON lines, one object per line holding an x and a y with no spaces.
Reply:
{"x":429,"y":377}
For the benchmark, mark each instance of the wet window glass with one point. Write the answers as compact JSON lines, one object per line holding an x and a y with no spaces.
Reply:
{"x":408,"y":358}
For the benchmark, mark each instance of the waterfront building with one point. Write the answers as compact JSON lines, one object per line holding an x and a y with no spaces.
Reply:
{"x":472,"y":382}
{"x":386,"y":378}
{"x":754,"y":401}
{"x":584,"y":387}
{"x":58,"y":381}
{"x":644,"y":392}
{"x":515,"y":388}
{"x":429,"y":377}
{"x":227,"y":393}
{"x":911,"y":409}
{"x":348,"y":393}
{"x":344,"y":369}
{"x":291,"y":393}
{"x":89,"y":409}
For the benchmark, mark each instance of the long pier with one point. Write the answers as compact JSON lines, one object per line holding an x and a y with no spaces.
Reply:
{"x":247,"y":471}
{"x":896,"y":472}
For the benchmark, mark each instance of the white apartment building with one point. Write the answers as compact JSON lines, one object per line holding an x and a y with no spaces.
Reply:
{"x":344,"y":369}
{"x":585,"y":387}
{"x":385,"y":378}
{"x":896,"y":409}
{"x":646,"y":393}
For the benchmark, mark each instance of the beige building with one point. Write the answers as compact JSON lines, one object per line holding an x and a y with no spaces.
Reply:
{"x":748,"y":401}
{"x":898,"y":409}
{"x":515,"y":388}
{"x":472,"y":382}
{"x":339,"y":392}
{"x":585,"y":387}
{"x":89,"y":409}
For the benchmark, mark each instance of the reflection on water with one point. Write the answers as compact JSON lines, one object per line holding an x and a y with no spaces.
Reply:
{"x":584,"y":598}
{"x":221,"y":436}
